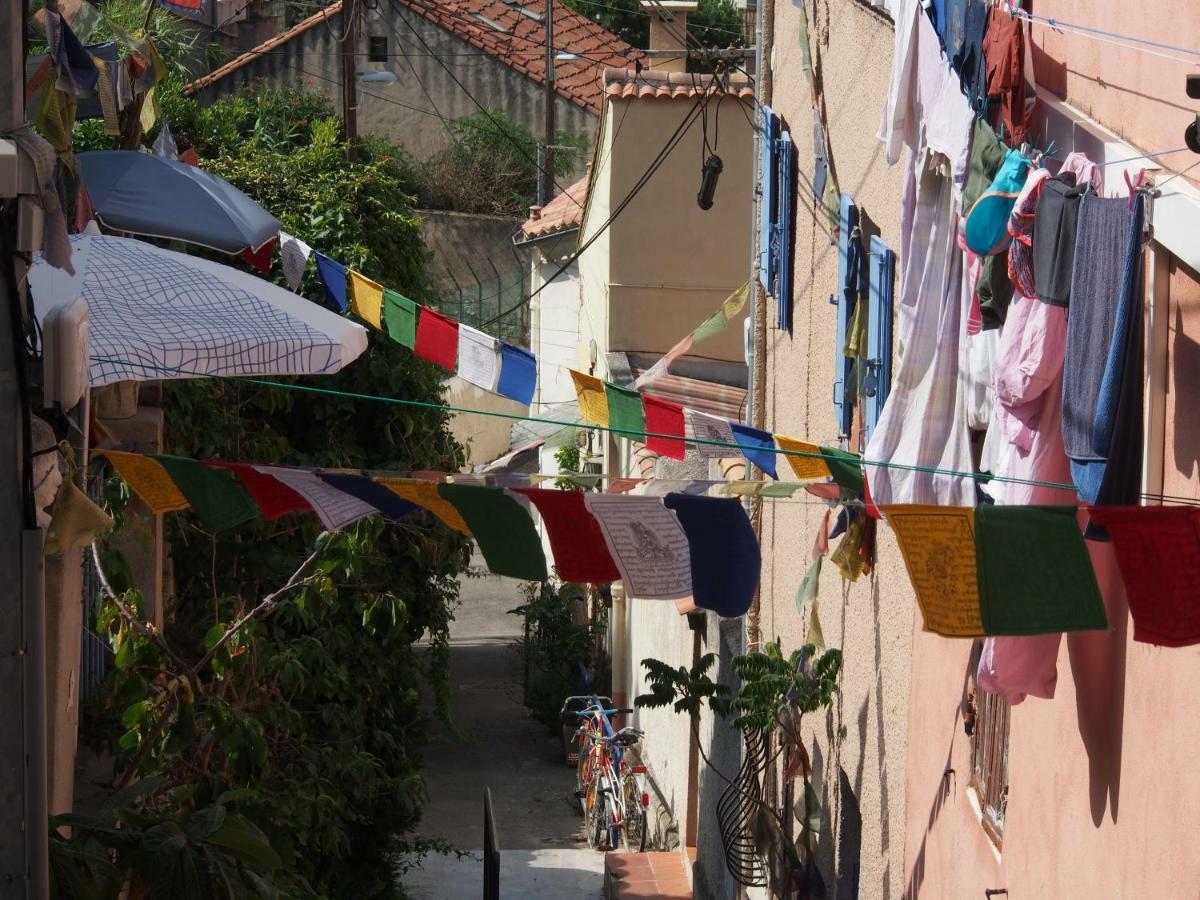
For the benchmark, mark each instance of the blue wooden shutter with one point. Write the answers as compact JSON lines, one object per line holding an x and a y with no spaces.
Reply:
{"x":848,"y":287}
{"x":783,"y":234}
{"x":769,"y":200}
{"x":882,"y":273}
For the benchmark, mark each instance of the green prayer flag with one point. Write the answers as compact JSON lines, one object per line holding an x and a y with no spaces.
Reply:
{"x":400,"y":318}
{"x":713,"y":325}
{"x":807,"y":592}
{"x":1034,"y":572}
{"x":625,"y":410}
{"x":216,"y":496}
{"x":846,"y":468}
{"x":503,"y":529}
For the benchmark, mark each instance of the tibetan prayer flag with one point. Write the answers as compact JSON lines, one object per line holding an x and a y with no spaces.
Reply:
{"x":626,"y":415}
{"x":846,"y":468}
{"x":362,"y":487}
{"x":1158,"y":552}
{"x":477,"y":357}
{"x":1035,"y":574}
{"x":805,"y":467}
{"x":400,"y":316}
{"x":710,"y":327}
{"x":260,"y":259}
{"x":366,"y":298}
{"x":518,"y":374}
{"x":580,"y":554}
{"x":757,"y":446}
{"x":664,"y":417}
{"x":702,"y":426}
{"x":736,"y":302}
{"x":336,"y":509}
{"x":437,"y":338}
{"x":293,"y":256}
{"x":938,"y":546}
{"x":505,"y":532}
{"x":724,"y":552}
{"x":273,"y":497}
{"x":333,"y":279}
{"x":647,"y":543}
{"x":148,"y":479}
{"x":425,"y":495}
{"x":190,"y":157}
{"x":216,"y":497}
{"x":593,"y":401}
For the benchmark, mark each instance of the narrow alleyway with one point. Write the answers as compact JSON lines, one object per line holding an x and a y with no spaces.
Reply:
{"x":542,"y":855}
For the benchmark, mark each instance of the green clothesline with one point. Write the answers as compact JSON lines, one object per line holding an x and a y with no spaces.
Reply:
{"x":737,"y":448}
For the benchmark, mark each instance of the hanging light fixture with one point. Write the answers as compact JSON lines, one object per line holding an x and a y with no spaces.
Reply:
{"x":708,"y":181}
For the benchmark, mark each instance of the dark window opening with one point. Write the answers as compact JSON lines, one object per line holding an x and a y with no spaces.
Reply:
{"x":378,"y":51}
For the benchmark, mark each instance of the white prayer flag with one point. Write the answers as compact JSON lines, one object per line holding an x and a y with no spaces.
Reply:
{"x":646,"y":542}
{"x":477,"y":357}
{"x":164,"y":144}
{"x":335,"y":508}
{"x":709,"y":428}
{"x":294,"y":254}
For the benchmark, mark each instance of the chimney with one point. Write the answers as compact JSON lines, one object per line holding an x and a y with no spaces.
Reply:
{"x":668,"y":33}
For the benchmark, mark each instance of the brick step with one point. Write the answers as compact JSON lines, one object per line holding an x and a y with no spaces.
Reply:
{"x":646,"y":876}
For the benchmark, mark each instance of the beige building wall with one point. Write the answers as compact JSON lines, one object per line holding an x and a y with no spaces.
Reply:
{"x":859,"y":749}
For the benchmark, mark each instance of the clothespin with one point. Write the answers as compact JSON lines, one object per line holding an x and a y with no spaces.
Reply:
{"x":1050,"y":149}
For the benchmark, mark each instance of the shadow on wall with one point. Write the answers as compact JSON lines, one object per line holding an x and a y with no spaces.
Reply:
{"x":849,"y":839}
{"x":1185,"y":363}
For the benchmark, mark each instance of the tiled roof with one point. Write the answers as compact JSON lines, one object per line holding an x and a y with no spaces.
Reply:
{"x":627,"y":83}
{"x":520,"y":46}
{"x":562,"y":213}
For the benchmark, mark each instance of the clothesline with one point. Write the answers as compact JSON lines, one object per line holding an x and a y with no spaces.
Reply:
{"x":1113,"y":38}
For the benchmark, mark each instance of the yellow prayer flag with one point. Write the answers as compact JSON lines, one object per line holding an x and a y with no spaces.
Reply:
{"x":425,"y":495}
{"x":805,"y":467}
{"x":148,"y":479}
{"x":149,"y":114}
{"x":593,"y":401}
{"x":938,"y":545}
{"x":366,"y":299}
{"x":736,"y":302}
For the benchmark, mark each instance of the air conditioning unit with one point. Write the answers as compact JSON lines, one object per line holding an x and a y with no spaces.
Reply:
{"x":65,"y":354}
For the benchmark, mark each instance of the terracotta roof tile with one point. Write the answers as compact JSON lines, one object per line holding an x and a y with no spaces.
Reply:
{"x":520,"y":46}
{"x":562,"y":213}
{"x":627,"y":83}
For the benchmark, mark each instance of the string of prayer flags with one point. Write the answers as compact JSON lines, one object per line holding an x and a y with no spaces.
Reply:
{"x":425,"y":494}
{"x":518,"y":374}
{"x":392,"y":506}
{"x":148,"y":479}
{"x":1158,"y":554}
{"x":757,"y":446}
{"x":707,"y":427}
{"x":293,"y":256}
{"x":477,"y":357}
{"x":333,"y":279}
{"x":366,"y":298}
{"x":576,"y":541}
{"x":273,"y":498}
{"x":804,"y":467}
{"x":400,"y":316}
{"x":938,"y":546}
{"x":437,"y":338}
{"x":625,"y":410}
{"x":664,"y":417}
{"x":723,"y":549}
{"x":336,"y":509}
{"x":593,"y":398}
{"x":215,"y":496}
{"x":846,"y":468}
{"x":260,"y":259}
{"x":504,"y":531}
{"x":646,"y":542}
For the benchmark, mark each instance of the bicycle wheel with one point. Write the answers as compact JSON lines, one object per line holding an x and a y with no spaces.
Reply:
{"x":593,"y":816}
{"x":633,"y":831}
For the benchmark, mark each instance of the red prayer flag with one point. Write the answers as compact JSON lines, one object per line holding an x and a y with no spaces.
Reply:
{"x":871,"y":509}
{"x":190,"y":157}
{"x":580,"y":554}
{"x":261,"y":258}
{"x":274,"y":498}
{"x":664,"y":417}
{"x":437,"y":338}
{"x":1158,"y":553}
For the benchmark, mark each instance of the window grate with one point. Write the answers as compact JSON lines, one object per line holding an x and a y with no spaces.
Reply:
{"x":989,"y":761}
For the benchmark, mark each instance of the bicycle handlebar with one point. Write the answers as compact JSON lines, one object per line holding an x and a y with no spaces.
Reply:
{"x":584,"y":713}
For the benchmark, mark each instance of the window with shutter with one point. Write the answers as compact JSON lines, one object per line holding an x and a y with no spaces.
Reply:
{"x":881,"y":275}
{"x":849,"y":286}
{"x":768,"y":202}
{"x":783,"y":233}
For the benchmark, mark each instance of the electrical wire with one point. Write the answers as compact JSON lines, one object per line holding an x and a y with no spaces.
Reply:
{"x":1114,"y":38}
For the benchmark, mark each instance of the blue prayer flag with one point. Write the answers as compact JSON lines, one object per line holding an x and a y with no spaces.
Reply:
{"x":725,"y":557}
{"x":518,"y":374}
{"x":757,"y":446}
{"x":371,"y":492}
{"x":333,"y":278}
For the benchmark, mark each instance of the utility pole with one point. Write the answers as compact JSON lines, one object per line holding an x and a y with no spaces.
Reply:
{"x":551,"y":97}
{"x":350,"y":16}
{"x":24,"y":823}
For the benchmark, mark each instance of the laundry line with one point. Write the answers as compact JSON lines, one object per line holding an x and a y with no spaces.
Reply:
{"x":1114,"y":38}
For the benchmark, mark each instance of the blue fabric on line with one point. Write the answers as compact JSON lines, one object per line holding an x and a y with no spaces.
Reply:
{"x":757,"y":446}
{"x":333,"y":279}
{"x":361,"y":487}
{"x":518,"y":374}
{"x":726,"y":561}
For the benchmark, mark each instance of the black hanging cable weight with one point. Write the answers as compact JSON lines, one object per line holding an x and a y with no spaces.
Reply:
{"x":708,"y":181}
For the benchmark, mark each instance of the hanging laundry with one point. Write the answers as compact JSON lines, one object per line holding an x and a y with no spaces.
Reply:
{"x":1020,"y":226}
{"x":1096,"y":291}
{"x":986,"y":226}
{"x":1020,"y":667}
{"x":333,"y":279}
{"x":963,"y":30}
{"x":293,"y":256}
{"x":664,"y":418}
{"x":626,"y":415}
{"x":376,"y":495}
{"x":260,"y":259}
{"x":518,"y":374}
{"x":425,"y":495}
{"x":336,"y":509}
{"x":1004,"y":62}
{"x":1158,"y":553}
{"x":148,"y":479}
{"x":478,"y":355}
{"x":437,"y":338}
{"x":576,"y":541}
{"x":724,"y":552}
{"x":215,"y":496}
{"x":400,"y":316}
{"x":647,"y":543}
{"x":804,"y":467}
{"x":1055,"y":229}
{"x":706,"y":427}
{"x":593,"y":400}
{"x":366,"y":298}
{"x":504,"y":531}
{"x":757,"y":446}
{"x":987,"y":155}
{"x":272,"y":497}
